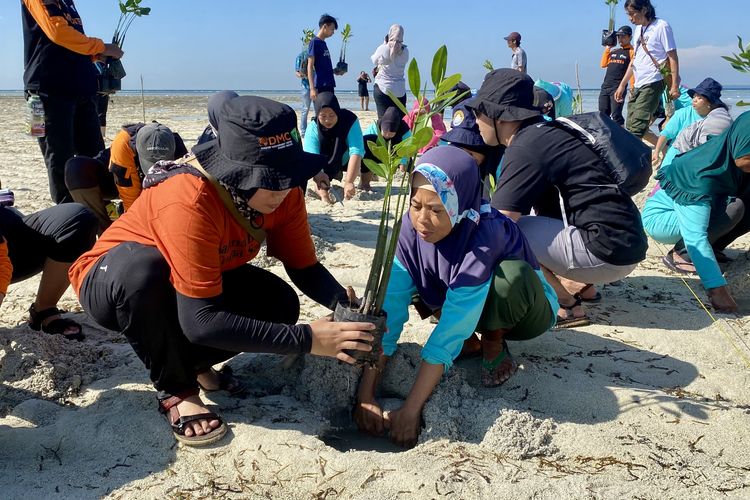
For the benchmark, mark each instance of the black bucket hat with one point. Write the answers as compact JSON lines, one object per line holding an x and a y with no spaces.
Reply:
{"x":710,"y":89}
{"x":258,"y":146}
{"x":506,"y":94}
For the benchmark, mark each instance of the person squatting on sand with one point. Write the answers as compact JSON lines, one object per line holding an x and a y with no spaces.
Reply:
{"x":469,"y":265}
{"x":336,"y":134}
{"x":47,"y":241}
{"x":58,"y":68}
{"x":215,"y":102}
{"x":585,"y":230}
{"x":118,"y":171}
{"x":703,"y":200}
{"x":172,"y":273}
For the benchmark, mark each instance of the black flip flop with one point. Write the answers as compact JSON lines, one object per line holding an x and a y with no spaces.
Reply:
{"x":668,"y":260}
{"x":593,"y":300}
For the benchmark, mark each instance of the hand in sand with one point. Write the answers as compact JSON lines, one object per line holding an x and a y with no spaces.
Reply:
{"x":722,"y":300}
{"x":369,"y":417}
{"x":349,"y":190}
{"x":113,"y":50}
{"x":331,"y":338}
{"x":404,"y":427}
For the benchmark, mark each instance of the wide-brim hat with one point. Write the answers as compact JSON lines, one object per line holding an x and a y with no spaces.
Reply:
{"x":258,"y":146}
{"x":464,"y":129}
{"x":507,"y":95}
{"x":710,"y":89}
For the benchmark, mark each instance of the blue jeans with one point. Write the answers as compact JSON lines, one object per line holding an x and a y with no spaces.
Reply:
{"x":305,"y":110}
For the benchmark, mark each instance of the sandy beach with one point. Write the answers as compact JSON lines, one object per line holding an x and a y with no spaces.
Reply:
{"x":651,"y":401}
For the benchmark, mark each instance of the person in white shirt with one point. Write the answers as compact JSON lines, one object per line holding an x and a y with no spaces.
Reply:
{"x":518,"y":59}
{"x":655,"y":48}
{"x":390,"y":58}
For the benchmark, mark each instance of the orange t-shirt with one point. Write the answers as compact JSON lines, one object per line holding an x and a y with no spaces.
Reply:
{"x":6,"y":267}
{"x":123,"y":168}
{"x":186,"y":220}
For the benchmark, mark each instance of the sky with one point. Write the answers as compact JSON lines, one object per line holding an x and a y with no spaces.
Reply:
{"x":247,"y":44}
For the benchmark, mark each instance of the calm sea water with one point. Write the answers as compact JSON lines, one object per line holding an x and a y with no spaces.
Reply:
{"x":349,"y":99}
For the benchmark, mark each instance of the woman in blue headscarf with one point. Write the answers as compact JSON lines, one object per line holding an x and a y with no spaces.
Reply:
{"x":471,"y":267}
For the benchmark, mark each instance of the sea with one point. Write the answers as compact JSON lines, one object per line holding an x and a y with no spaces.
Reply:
{"x":349,"y":99}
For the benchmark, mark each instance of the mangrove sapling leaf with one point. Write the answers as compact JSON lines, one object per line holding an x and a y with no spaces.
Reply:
{"x":397,"y":102}
{"x":446,"y":85}
{"x":488,"y":65}
{"x":375,"y":167}
{"x":415,"y":82}
{"x":740,"y":62}
{"x":439,"y":64}
{"x":380,"y":151}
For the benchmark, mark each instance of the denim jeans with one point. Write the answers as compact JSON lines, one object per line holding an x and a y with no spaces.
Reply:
{"x":305,"y":110}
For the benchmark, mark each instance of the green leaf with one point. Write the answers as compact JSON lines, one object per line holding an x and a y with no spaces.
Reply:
{"x":406,"y":148}
{"x":439,"y":63}
{"x":740,"y":44}
{"x":743,"y":103}
{"x":422,"y":137}
{"x":397,"y":102}
{"x":447,"y":84}
{"x":379,"y":151}
{"x":376,"y":168}
{"x":145,"y":11}
{"x":415,"y":82}
{"x":123,"y":8}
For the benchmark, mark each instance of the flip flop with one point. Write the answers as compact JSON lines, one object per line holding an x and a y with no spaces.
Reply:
{"x":593,"y":300}
{"x":570,"y":321}
{"x":168,"y":407}
{"x":488,"y":368}
{"x":668,"y":260}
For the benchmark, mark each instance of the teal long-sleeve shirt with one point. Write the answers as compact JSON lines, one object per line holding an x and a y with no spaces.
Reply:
{"x":354,"y":141}
{"x":458,"y":319}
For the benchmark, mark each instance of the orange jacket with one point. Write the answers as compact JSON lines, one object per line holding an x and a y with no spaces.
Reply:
{"x":123,"y":165}
{"x":606,"y":60}
{"x":58,"y":24}
{"x":6,"y":267}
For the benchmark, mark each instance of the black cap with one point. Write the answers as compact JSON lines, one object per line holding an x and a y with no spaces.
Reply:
{"x":258,"y":146}
{"x":625,"y":30}
{"x":506,"y":94}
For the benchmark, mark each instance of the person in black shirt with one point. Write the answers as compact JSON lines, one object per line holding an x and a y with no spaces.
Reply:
{"x":584,"y":230}
{"x":616,"y":60}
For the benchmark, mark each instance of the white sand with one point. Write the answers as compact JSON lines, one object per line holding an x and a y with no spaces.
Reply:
{"x":652,"y":401}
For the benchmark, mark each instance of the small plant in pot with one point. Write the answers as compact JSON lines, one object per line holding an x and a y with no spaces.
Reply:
{"x":342,"y":67}
{"x":111,"y":71}
{"x":386,"y":166}
{"x":608,"y":35}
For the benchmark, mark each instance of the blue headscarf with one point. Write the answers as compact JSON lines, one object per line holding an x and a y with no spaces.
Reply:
{"x":480,"y":239}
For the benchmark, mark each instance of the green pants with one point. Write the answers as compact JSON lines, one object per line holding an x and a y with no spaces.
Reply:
{"x":516,"y":302}
{"x":641,"y":107}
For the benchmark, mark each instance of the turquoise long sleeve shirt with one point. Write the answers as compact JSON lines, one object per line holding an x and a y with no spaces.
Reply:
{"x":354,"y":141}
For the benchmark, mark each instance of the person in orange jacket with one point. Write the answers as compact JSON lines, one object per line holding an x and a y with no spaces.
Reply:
{"x":58,"y":67}
{"x":616,"y":60}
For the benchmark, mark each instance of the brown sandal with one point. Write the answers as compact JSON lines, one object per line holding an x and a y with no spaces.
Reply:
{"x":168,"y":407}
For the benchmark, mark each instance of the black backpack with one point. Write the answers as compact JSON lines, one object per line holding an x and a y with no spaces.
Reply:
{"x":627,"y":158}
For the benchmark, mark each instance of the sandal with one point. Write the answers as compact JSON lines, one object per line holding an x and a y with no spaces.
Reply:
{"x":489,"y":368}
{"x":56,"y":326}
{"x":668,"y":260}
{"x":593,"y":300}
{"x":227,"y":381}
{"x":168,"y":407}
{"x":569,"y":320}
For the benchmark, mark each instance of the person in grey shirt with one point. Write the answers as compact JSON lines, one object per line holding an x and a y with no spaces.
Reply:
{"x":518,"y":59}
{"x":390,"y":58}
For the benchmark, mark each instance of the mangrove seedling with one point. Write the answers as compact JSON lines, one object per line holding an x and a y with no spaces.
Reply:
{"x":488,"y":65}
{"x":608,"y":35}
{"x":111,"y":71}
{"x":740,"y":62}
{"x":388,"y":158}
{"x":342,"y":67}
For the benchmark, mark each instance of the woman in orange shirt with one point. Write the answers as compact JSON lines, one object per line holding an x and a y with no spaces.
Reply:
{"x":172,"y":275}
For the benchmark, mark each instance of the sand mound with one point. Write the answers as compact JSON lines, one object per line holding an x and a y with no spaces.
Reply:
{"x":738,"y":273}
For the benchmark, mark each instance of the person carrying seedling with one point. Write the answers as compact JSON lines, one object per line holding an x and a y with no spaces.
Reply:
{"x":319,"y":66}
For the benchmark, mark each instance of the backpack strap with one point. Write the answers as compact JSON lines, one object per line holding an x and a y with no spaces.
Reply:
{"x":258,"y":234}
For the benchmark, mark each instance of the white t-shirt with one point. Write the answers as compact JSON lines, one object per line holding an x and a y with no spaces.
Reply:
{"x":659,"y":40}
{"x":390,"y":72}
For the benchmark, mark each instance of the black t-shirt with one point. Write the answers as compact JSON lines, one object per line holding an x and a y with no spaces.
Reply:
{"x":619,"y":59}
{"x":543,"y":159}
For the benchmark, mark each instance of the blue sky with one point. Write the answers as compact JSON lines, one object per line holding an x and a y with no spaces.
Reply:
{"x":245,"y":44}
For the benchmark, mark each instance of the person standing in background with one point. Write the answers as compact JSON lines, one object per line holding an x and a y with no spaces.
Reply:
{"x":518,"y":59}
{"x":300,"y":69}
{"x":655,"y":47}
{"x":319,"y":65}
{"x":390,"y":58}
{"x":616,"y":60}
{"x":364,"y":94}
{"x":58,"y":67}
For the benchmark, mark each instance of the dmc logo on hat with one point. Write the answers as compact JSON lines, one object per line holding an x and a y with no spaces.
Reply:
{"x":458,"y":118}
{"x":277,"y":141}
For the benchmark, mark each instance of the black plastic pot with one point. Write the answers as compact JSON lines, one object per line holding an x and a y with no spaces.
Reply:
{"x":110,"y":76}
{"x":609,"y":39}
{"x":341,"y":68}
{"x":344,"y":313}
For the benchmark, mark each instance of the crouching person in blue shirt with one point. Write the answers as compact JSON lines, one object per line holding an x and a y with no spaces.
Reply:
{"x":469,"y":265}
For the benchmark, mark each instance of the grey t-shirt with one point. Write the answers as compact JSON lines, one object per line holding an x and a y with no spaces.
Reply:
{"x":518,"y":59}
{"x":716,"y":122}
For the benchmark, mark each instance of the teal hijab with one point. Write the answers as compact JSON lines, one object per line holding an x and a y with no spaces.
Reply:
{"x":709,"y":170}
